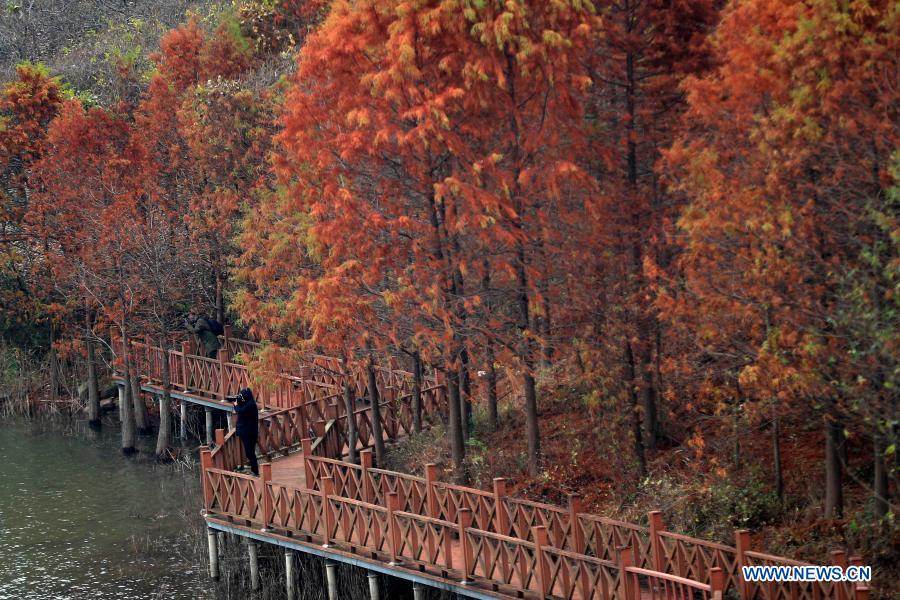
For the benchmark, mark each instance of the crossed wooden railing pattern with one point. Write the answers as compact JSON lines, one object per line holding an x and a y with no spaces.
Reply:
{"x":317,"y":387}
{"x":458,"y":550}
{"x":487,"y":538}
{"x":571,"y":530}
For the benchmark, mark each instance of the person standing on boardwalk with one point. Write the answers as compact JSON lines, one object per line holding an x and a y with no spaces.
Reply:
{"x":247,"y":425}
{"x":206,"y":330}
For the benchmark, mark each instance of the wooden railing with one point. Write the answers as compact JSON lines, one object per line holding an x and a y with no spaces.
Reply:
{"x":316,"y":385}
{"x":457,"y":551}
{"x":570,"y":532}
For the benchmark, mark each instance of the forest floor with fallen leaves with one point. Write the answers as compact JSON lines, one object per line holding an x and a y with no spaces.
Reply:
{"x":698,"y":485}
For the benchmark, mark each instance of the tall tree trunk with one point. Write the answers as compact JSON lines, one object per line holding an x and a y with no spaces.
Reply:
{"x":457,"y":445}
{"x":417,"y":392}
{"x":220,"y":300}
{"x":93,"y":388}
{"x":527,"y":358}
{"x":736,"y":433}
{"x":834,"y":489}
{"x":465,"y":395}
{"x":141,"y":417}
{"x":880,"y":481}
{"x":375,"y":411}
{"x":635,"y":411}
{"x":165,"y":436}
{"x":350,"y":404}
{"x":493,"y":415}
{"x":648,"y":388}
{"x":776,"y":456}
{"x":53,"y":363}
{"x":127,"y":415}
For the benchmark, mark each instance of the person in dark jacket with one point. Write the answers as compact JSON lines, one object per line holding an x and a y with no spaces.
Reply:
{"x":247,"y":425}
{"x":202,"y":328}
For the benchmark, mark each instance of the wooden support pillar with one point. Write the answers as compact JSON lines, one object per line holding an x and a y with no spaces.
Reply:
{"x":365,"y":460}
{"x":418,"y":591}
{"x":213,"y":555}
{"x":183,"y":411}
{"x":230,"y":419}
{"x":742,"y":545}
{"x":254,"y":564}
{"x":289,"y":574}
{"x":221,"y":543}
{"x":209,"y":427}
{"x":626,"y":579}
{"x":121,"y":400}
{"x":374,"y":588}
{"x":431,"y":503}
{"x":656,"y":543}
{"x":464,"y":521}
{"x":501,"y":516}
{"x":717,"y":582}
{"x":331,"y":579}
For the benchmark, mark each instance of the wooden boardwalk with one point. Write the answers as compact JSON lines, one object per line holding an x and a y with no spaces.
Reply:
{"x":477,"y":543}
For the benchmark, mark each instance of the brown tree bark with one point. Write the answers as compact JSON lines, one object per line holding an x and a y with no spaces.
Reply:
{"x":776,"y":457}
{"x":880,"y":479}
{"x":350,"y":404}
{"x":141,"y":416}
{"x":93,"y":404}
{"x":375,"y":410}
{"x":127,"y":416}
{"x":633,"y":405}
{"x":454,"y":425}
{"x":165,"y":435}
{"x":834,"y":489}
{"x":493,"y":414}
{"x":417,"y":392}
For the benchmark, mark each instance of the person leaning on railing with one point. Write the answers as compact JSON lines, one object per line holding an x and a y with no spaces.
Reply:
{"x":247,"y":425}
{"x":204,"y":328}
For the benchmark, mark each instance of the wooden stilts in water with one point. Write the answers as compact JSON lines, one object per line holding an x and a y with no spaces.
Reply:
{"x":183,"y":409}
{"x":209,"y":427}
{"x":289,"y":574}
{"x":418,"y":591}
{"x":254,"y":565}
{"x":213,"y":555}
{"x":374,"y":589}
{"x":221,"y":546}
{"x":331,"y":578}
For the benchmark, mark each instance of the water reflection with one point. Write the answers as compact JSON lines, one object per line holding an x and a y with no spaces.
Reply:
{"x":79,"y":520}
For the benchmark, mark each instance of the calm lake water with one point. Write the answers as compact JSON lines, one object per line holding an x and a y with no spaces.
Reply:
{"x":79,"y":520}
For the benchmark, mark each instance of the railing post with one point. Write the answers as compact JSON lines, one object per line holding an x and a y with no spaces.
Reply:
{"x":223,"y":378}
{"x":306,"y":445}
{"x":365,"y":460}
{"x":541,"y":540}
{"x":431,"y":502}
{"x":226,"y":336}
{"x":393,"y":505}
{"x":576,"y":506}
{"x":327,"y":492}
{"x":206,"y":463}
{"x":463,"y":521}
{"x":742,"y":545}
{"x":186,"y":384}
{"x":857,"y":561}
{"x":656,"y":543}
{"x":265,"y":471}
{"x":220,"y":438}
{"x":625,"y":578}
{"x":501,"y":516}
{"x":717,"y":582}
